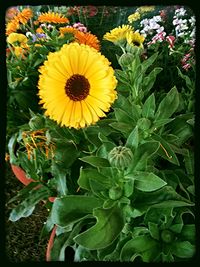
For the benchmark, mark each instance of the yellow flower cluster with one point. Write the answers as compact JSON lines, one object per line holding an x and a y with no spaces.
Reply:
{"x":19,"y":43}
{"x":134,"y":17}
{"x":139,"y":12}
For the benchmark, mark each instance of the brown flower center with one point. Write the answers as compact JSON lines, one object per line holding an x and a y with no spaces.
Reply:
{"x":136,"y":43}
{"x":77,"y":87}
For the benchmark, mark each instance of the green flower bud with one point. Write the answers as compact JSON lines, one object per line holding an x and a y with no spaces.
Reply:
{"x":115,"y":192}
{"x":126,"y":59}
{"x":120,"y":157}
{"x":167,"y":236}
{"x":36,"y":122}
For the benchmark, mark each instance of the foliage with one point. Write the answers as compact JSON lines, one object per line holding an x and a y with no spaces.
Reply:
{"x":124,"y":186}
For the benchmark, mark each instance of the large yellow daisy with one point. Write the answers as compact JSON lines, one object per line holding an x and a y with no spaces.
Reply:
{"x":52,"y":17}
{"x":76,"y":85}
{"x":118,"y":34}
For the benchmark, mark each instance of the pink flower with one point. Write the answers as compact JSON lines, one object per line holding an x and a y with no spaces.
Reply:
{"x":170,"y":39}
{"x":186,"y":66}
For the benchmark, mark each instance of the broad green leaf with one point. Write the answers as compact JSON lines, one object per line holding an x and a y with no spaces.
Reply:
{"x":186,"y":78}
{"x":168,"y":105}
{"x":96,"y":161}
{"x":121,"y":126}
{"x":146,"y":182}
{"x":104,"y":149}
{"x":27,"y":206}
{"x":60,"y":177}
{"x":87,"y":174}
{"x":188,"y":233}
{"x":142,"y":245}
{"x":183,"y":249}
{"x":107,"y":228}
{"x":165,"y":150}
{"x":73,"y":208}
{"x":149,"y":61}
{"x":162,"y":122}
{"x":132,"y":140}
{"x":149,"y":107}
{"x":154,"y":230}
{"x":142,"y":154}
{"x":122,"y":116}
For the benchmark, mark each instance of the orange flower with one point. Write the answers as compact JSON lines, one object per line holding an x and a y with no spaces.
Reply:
{"x":52,"y":17}
{"x":40,"y":30}
{"x":21,"y":17}
{"x":24,"y":16}
{"x":11,"y":27}
{"x":88,"y":39}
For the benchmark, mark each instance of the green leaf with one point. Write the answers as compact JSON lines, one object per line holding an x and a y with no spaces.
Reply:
{"x":73,"y":208}
{"x":142,"y":154}
{"x":96,"y":161}
{"x":132,"y":140}
{"x":188,"y":233}
{"x":27,"y":206}
{"x":149,"y":61}
{"x":172,"y":203}
{"x":107,"y":228}
{"x":90,"y":174}
{"x":121,"y":126}
{"x":104,"y":149}
{"x":146,"y":182}
{"x":122,"y":116}
{"x":60,"y":177}
{"x":154,"y":230}
{"x":165,"y":150}
{"x":183,"y":249}
{"x":162,"y":122}
{"x":143,"y":246}
{"x":149,"y":107}
{"x":168,"y":105}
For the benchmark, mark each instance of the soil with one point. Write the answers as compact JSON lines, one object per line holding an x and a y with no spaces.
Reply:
{"x":22,"y":242}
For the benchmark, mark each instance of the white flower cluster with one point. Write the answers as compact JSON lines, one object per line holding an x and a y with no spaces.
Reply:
{"x":184,"y":28}
{"x":151,"y":25}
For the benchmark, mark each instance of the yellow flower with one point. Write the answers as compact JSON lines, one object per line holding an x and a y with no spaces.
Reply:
{"x":76,"y":85}
{"x":52,"y":17}
{"x":135,"y":39}
{"x":88,"y":39}
{"x":64,"y":30}
{"x":118,"y":34}
{"x":134,"y":17}
{"x":145,"y":9}
{"x":18,"y":38}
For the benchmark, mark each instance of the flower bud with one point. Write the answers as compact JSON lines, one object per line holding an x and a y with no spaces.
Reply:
{"x":167,"y":236}
{"x":126,"y":59}
{"x":120,"y":157}
{"x":115,"y":192}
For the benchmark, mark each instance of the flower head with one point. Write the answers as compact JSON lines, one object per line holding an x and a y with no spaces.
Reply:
{"x":134,"y":17}
{"x":118,"y":34}
{"x":52,"y":17}
{"x":145,"y":9}
{"x":76,"y":85}
{"x":135,"y":39}
{"x":24,"y":16}
{"x":17,"y":38}
{"x":88,"y":39}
